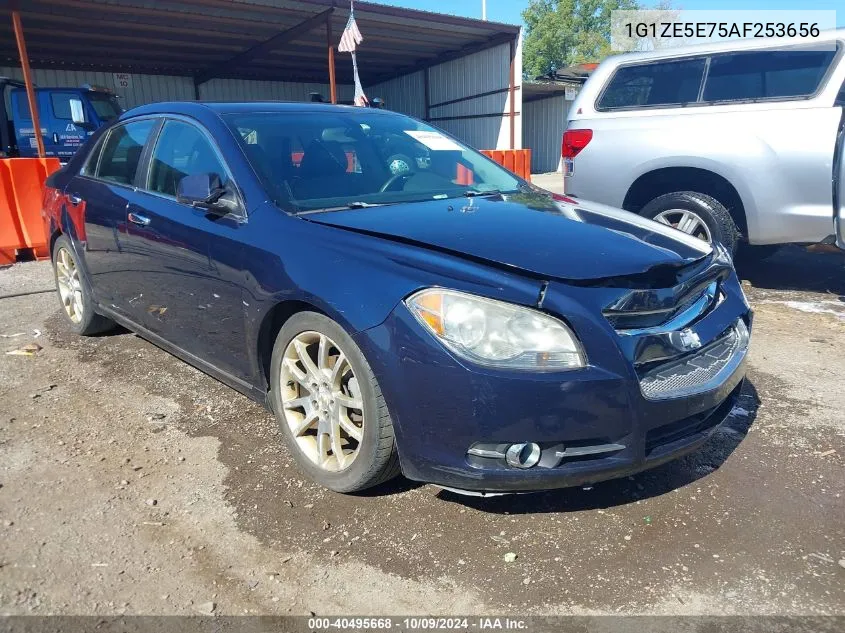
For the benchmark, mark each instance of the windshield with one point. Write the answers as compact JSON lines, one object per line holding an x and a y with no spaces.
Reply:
{"x":323,"y":160}
{"x":105,"y":105}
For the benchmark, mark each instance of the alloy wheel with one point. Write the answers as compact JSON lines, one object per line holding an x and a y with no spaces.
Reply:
{"x":322,"y":401}
{"x":686,"y":221}
{"x":70,"y":286}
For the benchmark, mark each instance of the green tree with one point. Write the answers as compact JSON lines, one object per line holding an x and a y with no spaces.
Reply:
{"x":560,"y":33}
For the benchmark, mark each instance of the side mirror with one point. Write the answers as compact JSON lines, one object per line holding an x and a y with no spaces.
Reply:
{"x":77,"y":112}
{"x":204,"y":191}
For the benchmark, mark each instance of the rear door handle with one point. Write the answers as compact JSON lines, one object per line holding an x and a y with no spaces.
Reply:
{"x":140,"y":220}
{"x":74,"y":199}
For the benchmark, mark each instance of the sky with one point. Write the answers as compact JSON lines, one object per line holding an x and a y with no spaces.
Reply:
{"x":510,"y":11}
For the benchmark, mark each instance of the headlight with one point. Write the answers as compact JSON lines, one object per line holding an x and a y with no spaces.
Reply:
{"x":496,"y":334}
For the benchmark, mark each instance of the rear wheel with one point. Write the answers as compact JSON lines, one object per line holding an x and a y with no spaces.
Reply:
{"x":329,"y":406}
{"x":695,"y":214}
{"x":74,"y":292}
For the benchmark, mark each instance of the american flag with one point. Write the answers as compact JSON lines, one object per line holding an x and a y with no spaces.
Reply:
{"x":351,"y":36}
{"x":349,"y":41}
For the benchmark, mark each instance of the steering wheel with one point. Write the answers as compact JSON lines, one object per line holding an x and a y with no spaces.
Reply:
{"x":392,"y":181}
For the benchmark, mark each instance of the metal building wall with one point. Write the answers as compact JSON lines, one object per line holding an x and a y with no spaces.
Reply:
{"x":405,"y":94}
{"x":151,"y":88}
{"x":250,"y":90}
{"x":463,"y":78}
{"x":475,"y":74}
{"x":544,"y":121}
{"x":143,"y":88}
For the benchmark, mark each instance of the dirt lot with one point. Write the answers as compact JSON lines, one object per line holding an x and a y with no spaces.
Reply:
{"x":132,"y":483}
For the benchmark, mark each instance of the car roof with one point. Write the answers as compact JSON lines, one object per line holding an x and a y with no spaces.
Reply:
{"x":724,"y":46}
{"x":198,"y":108}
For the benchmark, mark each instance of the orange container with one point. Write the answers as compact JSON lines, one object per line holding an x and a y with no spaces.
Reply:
{"x":516,"y":160}
{"x":21,"y":195}
{"x":11,"y":235}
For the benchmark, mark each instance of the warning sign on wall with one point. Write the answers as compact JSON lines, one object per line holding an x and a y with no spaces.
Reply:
{"x":122,"y":81}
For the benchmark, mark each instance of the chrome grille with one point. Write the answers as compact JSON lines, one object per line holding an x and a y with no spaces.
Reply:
{"x":698,"y":372}
{"x":627,"y":317}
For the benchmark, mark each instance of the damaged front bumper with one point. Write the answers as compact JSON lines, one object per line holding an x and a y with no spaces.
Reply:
{"x":645,"y":398}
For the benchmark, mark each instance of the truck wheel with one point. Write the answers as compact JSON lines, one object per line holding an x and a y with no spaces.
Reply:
{"x":75,"y":293}
{"x":696,"y":214}
{"x":329,"y":406}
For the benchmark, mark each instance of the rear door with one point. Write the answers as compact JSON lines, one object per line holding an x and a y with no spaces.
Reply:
{"x":100,"y":193}
{"x":189,"y":277}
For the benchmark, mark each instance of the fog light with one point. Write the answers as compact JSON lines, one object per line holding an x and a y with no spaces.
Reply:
{"x":522,"y":455}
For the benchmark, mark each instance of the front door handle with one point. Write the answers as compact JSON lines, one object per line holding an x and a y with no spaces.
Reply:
{"x":140,"y":220}
{"x":74,"y":199}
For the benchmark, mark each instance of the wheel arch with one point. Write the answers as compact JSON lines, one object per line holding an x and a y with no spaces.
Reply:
{"x":658,"y":182}
{"x":54,"y":235}
{"x":272,"y":322}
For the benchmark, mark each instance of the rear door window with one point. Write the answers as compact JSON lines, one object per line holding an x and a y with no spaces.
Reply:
{"x":770,"y":74}
{"x":181,"y":150}
{"x":90,"y":166}
{"x":656,"y":84}
{"x":122,"y":151}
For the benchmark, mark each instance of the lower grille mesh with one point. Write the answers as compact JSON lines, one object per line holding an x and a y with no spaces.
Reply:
{"x":699,"y":371}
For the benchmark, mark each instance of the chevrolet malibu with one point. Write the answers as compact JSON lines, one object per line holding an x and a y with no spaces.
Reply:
{"x":448,"y":321}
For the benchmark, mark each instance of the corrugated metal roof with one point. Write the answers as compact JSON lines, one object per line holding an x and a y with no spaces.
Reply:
{"x":191,"y":37}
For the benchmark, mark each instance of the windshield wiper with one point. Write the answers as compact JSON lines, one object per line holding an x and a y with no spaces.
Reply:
{"x":362,"y":205}
{"x":470,"y":193}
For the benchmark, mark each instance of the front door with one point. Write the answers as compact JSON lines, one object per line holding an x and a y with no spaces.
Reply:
{"x":64,"y":137}
{"x":188,"y":261}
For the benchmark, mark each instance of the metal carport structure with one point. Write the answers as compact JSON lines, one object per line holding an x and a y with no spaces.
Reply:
{"x":462,"y":74}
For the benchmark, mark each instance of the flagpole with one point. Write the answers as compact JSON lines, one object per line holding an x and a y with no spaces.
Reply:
{"x":332,"y":81}
{"x":349,"y":41}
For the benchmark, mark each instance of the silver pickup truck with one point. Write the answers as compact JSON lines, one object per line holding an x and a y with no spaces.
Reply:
{"x":727,"y":141}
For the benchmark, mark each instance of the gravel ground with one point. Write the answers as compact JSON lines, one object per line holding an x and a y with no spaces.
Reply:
{"x":132,"y":483}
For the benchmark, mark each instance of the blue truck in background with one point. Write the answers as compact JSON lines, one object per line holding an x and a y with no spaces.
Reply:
{"x":68,"y":116}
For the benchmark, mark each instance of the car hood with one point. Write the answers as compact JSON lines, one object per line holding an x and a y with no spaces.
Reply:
{"x":530,"y":231}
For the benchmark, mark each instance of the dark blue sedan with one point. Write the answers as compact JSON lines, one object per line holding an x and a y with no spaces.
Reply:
{"x":446,"y":320}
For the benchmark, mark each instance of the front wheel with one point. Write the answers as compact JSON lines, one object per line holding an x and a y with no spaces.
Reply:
{"x":329,"y":406}
{"x":695,"y":214}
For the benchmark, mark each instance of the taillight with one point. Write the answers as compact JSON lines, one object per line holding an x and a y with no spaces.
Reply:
{"x":574,"y":141}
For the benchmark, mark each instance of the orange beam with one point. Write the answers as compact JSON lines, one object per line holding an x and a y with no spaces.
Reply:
{"x":330,"y":44}
{"x":27,"y":78}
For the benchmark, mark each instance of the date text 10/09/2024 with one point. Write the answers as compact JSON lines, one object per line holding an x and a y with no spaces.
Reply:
{"x":418,"y":623}
{"x":705,"y":30}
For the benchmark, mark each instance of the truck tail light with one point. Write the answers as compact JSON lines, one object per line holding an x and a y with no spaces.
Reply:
{"x":574,"y":141}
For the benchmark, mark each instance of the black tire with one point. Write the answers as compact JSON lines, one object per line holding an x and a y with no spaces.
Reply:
{"x":377,"y":460}
{"x":748,"y":253}
{"x":712,"y":212}
{"x":90,"y":323}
